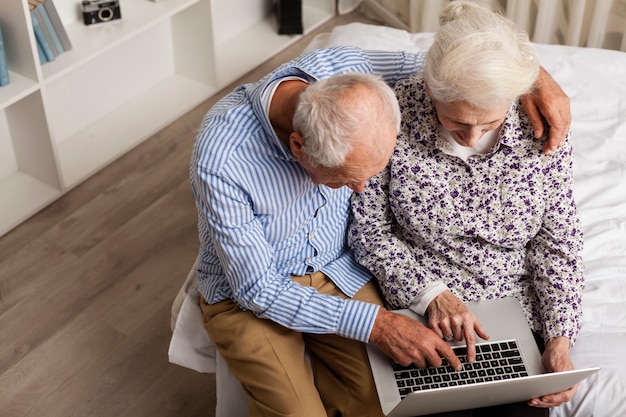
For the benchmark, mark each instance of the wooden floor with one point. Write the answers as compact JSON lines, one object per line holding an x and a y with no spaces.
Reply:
{"x":87,"y":284}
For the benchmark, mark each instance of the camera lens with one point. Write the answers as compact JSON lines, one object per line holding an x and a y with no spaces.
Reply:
{"x":105,"y":14}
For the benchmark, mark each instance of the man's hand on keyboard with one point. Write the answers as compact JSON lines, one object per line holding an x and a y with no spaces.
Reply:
{"x":408,"y":341}
{"x":451,"y":319}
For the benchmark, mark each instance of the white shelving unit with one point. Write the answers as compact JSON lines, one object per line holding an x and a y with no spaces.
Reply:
{"x":121,"y":82}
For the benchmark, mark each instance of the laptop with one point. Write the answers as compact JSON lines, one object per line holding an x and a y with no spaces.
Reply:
{"x":508,"y":369}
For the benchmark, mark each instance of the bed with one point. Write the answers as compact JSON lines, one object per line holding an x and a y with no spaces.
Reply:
{"x":595,"y":80}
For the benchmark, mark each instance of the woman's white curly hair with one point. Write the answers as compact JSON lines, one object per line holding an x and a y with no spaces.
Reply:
{"x":479,"y":56}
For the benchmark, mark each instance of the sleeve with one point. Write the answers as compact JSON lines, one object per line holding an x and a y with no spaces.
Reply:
{"x":557,"y":269}
{"x":247,"y":263}
{"x":395,"y":66}
{"x":426,"y":295}
{"x":374,"y":236}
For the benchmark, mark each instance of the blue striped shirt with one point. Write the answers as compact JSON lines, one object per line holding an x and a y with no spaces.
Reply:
{"x":261,"y":219}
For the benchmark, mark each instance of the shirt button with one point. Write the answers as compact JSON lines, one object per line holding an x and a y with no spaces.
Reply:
{"x":311,"y":236}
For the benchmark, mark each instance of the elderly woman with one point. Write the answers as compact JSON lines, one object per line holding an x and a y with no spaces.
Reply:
{"x":469,"y":208}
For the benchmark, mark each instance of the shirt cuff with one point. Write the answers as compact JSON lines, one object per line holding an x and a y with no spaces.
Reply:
{"x":357,"y":320}
{"x":425,"y":296}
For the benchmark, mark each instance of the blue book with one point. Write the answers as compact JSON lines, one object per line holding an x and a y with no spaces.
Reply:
{"x":45,"y":31}
{"x":58,"y":25}
{"x":41,"y":38}
{"x":4,"y":66}
{"x":48,"y":27}
{"x":42,"y":55}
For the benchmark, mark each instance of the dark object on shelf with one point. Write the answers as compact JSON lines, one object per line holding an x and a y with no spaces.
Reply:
{"x":289,"y":14}
{"x":98,"y":11}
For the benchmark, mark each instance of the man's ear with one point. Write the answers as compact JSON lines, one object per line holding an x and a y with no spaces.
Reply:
{"x":296,"y":143}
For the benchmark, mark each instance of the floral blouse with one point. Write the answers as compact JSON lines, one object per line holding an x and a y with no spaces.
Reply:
{"x":502,"y":224}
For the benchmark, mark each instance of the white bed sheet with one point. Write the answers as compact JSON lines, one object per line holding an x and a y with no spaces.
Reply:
{"x":595,"y":80}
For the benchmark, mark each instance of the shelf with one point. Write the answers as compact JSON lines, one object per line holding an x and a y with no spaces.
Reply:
{"x":89,"y":41}
{"x":259,"y":42}
{"x":122,"y":82}
{"x":19,"y":88}
{"x":113,"y":135}
{"x":28,"y":178}
{"x":22,"y":196}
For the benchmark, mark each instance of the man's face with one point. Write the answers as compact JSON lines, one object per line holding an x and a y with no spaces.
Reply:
{"x":353,"y":176}
{"x":365,"y":161}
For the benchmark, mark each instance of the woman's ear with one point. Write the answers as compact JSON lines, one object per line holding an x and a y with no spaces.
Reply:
{"x":427,"y":89}
{"x":296,"y":143}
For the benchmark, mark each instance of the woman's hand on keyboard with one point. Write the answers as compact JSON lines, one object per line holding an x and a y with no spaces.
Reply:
{"x":449,"y":316}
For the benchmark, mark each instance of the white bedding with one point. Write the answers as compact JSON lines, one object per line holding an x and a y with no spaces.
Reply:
{"x":595,"y":80}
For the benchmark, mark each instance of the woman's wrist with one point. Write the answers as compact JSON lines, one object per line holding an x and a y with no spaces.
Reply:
{"x":558,"y":342}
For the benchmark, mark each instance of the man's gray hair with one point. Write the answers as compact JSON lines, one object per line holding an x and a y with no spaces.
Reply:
{"x":331,"y":123}
{"x":479,"y":56}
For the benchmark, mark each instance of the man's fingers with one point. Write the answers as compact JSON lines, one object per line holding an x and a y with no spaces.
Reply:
{"x":534,"y":115}
{"x":558,"y":128}
{"x":448,"y":354}
{"x":555,"y":139}
{"x":548,"y":101}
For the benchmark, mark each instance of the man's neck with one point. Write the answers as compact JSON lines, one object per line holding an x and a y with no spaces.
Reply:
{"x":283,"y":107}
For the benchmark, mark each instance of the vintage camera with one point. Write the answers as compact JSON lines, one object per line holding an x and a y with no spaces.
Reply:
{"x":98,"y":11}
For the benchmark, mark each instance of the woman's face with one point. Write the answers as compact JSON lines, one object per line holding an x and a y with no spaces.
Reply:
{"x":468,"y":124}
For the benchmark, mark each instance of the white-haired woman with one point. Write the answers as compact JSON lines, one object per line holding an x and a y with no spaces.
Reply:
{"x":468,"y":207}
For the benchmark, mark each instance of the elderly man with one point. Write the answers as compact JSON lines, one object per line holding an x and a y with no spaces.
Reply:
{"x":272,"y":172}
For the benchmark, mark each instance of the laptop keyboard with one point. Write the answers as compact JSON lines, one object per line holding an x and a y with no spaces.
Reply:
{"x":495,"y":361}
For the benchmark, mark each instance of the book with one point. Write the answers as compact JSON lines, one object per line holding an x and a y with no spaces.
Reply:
{"x":47,"y":25}
{"x":41,"y":38}
{"x":4,"y":66}
{"x":42,"y":55}
{"x":45,"y":31}
{"x":57,"y":24}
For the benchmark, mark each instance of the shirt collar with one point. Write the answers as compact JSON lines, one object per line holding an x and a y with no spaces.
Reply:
{"x":255,"y":94}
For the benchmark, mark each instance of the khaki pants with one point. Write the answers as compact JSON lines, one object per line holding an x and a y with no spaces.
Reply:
{"x":269,"y":361}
